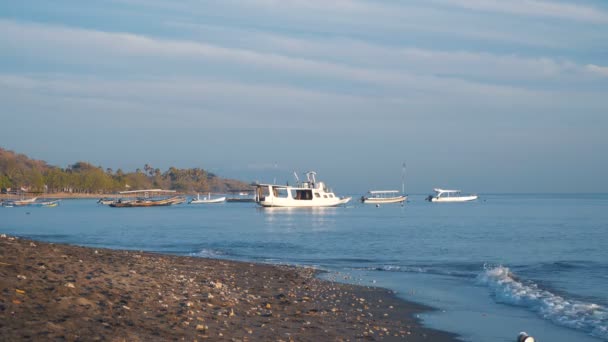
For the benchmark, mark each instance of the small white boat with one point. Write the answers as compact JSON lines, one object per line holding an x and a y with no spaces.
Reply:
{"x":383,"y":197}
{"x":49,"y":204}
{"x":307,"y":194}
{"x":24,"y":202}
{"x":106,"y":201}
{"x":207,"y":199}
{"x":386,"y":196}
{"x":442,"y":195}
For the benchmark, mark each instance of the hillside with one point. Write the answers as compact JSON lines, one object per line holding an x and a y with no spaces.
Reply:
{"x":19,"y":172}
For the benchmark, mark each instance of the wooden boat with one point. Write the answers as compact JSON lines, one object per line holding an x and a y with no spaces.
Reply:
{"x":49,"y":204}
{"x":304,"y":195}
{"x":146,"y":200}
{"x":378,"y":197}
{"x":24,"y":202}
{"x":383,"y":197}
{"x":207,"y":200}
{"x":142,"y":202}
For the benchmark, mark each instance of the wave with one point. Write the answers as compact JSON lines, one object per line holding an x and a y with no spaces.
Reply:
{"x":460,"y":270}
{"x":209,"y":253}
{"x":507,"y":288}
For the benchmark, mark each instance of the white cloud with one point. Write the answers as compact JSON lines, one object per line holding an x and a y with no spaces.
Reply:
{"x":597,"y":70}
{"x":371,"y":74}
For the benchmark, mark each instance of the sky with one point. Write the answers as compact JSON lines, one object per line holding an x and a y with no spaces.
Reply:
{"x":480,"y":95}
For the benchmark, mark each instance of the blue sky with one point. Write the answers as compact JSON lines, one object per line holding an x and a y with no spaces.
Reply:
{"x":483,"y":95}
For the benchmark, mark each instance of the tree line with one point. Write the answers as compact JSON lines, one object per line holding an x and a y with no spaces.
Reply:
{"x":17,"y":171}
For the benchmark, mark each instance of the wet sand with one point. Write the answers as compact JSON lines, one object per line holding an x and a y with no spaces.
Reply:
{"x":61,"y":292}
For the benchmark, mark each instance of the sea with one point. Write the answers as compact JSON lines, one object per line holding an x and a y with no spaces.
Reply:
{"x":492,"y":268}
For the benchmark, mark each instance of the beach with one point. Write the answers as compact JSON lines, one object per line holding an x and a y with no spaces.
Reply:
{"x":64,"y":292}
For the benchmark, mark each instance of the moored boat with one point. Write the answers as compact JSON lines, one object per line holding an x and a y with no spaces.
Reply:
{"x":386,"y":196}
{"x":24,"y":202}
{"x":106,"y":201}
{"x":142,"y":202}
{"x":207,"y":199}
{"x":383,"y":197}
{"x":442,"y":195}
{"x":304,"y":195}
{"x":147,"y":200}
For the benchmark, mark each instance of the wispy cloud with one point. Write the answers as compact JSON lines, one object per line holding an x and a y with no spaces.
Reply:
{"x":598,"y":70}
{"x":340,"y":60}
{"x":563,"y":10}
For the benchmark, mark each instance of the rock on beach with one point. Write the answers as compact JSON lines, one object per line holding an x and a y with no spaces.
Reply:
{"x":61,"y":292}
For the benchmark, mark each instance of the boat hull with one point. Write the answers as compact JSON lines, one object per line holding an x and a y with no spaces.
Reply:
{"x":397,"y":199}
{"x":148,"y":203}
{"x":208,"y":201}
{"x":314,"y":203}
{"x":454,"y":199}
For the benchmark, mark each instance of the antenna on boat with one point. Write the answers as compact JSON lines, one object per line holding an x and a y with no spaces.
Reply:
{"x":297,"y":178}
{"x":403,"y":179}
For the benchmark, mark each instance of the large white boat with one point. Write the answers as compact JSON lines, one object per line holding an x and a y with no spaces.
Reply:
{"x":207,"y":199}
{"x":304,"y":195}
{"x":442,"y":195}
{"x":383,"y":196}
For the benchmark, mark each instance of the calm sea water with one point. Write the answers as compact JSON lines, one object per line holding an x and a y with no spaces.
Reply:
{"x":493,"y":268}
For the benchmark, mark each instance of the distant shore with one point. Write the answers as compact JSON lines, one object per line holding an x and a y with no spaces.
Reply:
{"x":62,"y":195}
{"x":69,"y":195}
{"x":54,"y":291}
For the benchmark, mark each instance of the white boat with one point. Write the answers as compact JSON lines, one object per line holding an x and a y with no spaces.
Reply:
{"x":304,"y":195}
{"x":106,"y":201}
{"x":207,"y":200}
{"x":49,"y":204}
{"x":24,"y":202}
{"x":386,"y":196}
{"x":383,"y":197}
{"x":442,"y":195}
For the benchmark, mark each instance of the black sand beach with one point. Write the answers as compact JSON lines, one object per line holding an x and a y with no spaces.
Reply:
{"x":62,"y":292}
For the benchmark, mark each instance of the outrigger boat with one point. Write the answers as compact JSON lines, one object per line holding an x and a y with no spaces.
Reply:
{"x":383,"y":197}
{"x":207,"y":200}
{"x":24,"y":202}
{"x":48,"y":204}
{"x":146,"y":201}
{"x":442,"y":195}
{"x":386,"y":196}
{"x":304,"y":195}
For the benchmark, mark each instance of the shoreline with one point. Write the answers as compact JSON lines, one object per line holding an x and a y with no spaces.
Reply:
{"x":67,"y":195}
{"x":55,"y":291}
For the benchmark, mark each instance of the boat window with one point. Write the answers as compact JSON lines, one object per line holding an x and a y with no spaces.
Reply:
{"x":263,"y":191}
{"x":317,"y":195}
{"x":298,"y":194}
{"x":281,"y":192}
{"x":331,"y":195}
{"x":324,"y":196}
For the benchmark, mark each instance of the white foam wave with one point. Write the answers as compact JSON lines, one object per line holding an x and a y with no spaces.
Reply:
{"x":506,"y":288}
{"x":423,"y":269}
{"x":208,"y":253}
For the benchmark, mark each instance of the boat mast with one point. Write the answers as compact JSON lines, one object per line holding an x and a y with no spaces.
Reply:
{"x":403,"y":180}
